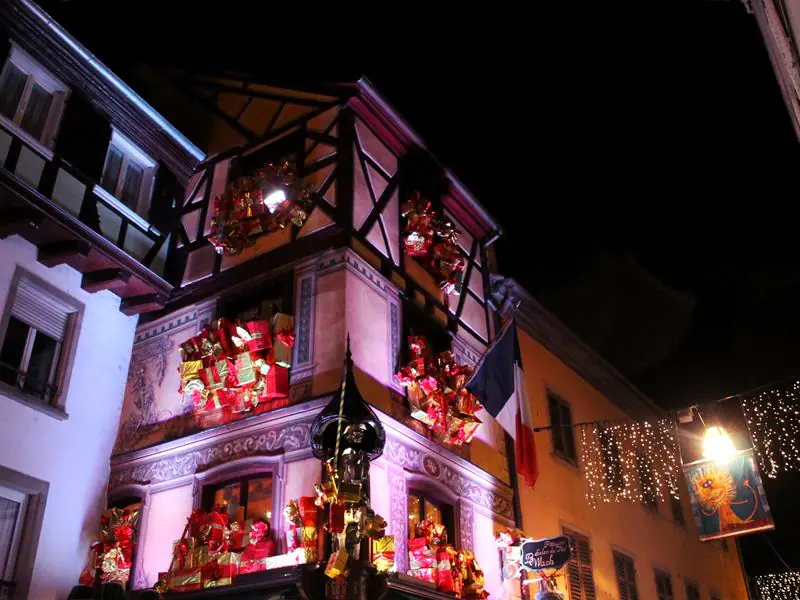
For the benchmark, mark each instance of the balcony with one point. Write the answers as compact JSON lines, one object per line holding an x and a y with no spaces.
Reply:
{"x":72,"y":220}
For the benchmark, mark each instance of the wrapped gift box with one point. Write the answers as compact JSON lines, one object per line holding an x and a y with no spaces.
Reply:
{"x":337,"y":564}
{"x":186,"y":580}
{"x":428,"y":574}
{"x":220,"y":570}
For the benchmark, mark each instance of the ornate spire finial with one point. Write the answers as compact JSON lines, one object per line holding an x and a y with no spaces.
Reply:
{"x":348,"y":357}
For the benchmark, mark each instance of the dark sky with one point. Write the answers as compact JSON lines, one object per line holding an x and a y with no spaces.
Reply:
{"x":642,"y":163}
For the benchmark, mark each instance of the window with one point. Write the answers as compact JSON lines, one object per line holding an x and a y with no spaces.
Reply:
{"x":677,"y":510}
{"x":647,"y":483}
{"x":128,"y":174}
{"x":664,"y":585}
{"x":612,"y":474}
{"x":561,"y":422}
{"x":248,"y":497}
{"x":579,"y":568}
{"x":12,"y":516}
{"x":421,"y":507}
{"x":34,"y":336}
{"x":626,"y":576}
{"x":692,"y":590}
{"x":30,"y":97}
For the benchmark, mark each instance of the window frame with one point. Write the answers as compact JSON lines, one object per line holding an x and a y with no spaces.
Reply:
{"x":210,"y":489}
{"x":630,"y":583}
{"x":130,"y":153}
{"x":562,"y":433}
{"x":659,"y":573}
{"x":62,"y":364}
{"x":36,"y":74}
{"x":676,"y":508}
{"x":7,"y":574}
{"x":576,"y":561}
{"x":691,"y":584}
{"x":447,"y":509}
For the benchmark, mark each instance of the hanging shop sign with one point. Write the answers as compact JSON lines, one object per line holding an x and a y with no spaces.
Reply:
{"x":727,"y":497}
{"x":549,"y":553}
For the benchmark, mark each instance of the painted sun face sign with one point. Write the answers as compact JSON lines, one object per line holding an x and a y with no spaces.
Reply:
{"x":549,"y":553}
{"x":728,"y":497}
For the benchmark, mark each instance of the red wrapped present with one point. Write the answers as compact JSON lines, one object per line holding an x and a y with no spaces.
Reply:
{"x":336,"y":518}
{"x":308,"y":511}
{"x":214,"y":530}
{"x":420,"y":554}
{"x":252,"y":565}
{"x":255,"y":336}
{"x":191,"y":349}
{"x":426,"y":574}
{"x":337,"y":563}
{"x":220,"y":332}
{"x":220,"y":570}
{"x":259,"y":550}
{"x":418,"y":346}
{"x":383,"y":553}
{"x":283,"y":339}
{"x":249,"y":367}
{"x":186,"y":580}
{"x":275,"y":384}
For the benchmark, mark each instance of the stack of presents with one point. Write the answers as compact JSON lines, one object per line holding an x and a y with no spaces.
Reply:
{"x":432,"y":559}
{"x":215,"y":550}
{"x":235,"y":367}
{"x":436,"y":393}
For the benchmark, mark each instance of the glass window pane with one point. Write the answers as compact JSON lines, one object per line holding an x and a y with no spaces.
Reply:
{"x":111,"y":170}
{"x":433,"y":513}
{"x":133,"y":183}
{"x":37,"y":376}
{"x":12,"y":83}
{"x":12,"y":350}
{"x":414,"y":506}
{"x":9,"y":515}
{"x":228,"y":499}
{"x":259,"y":498}
{"x":36,"y":111}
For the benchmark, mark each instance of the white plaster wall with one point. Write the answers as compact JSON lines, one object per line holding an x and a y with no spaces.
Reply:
{"x":486,"y":553}
{"x":167,"y":512}
{"x":301,"y":476}
{"x":71,"y":455}
{"x":379,"y":493}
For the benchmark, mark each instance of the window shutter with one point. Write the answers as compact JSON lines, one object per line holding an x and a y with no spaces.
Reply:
{"x":84,"y":136}
{"x":587,"y":578}
{"x":165,"y":188}
{"x":555,"y":423}
{"x":38,"y":307}
{"x":622,"y":581}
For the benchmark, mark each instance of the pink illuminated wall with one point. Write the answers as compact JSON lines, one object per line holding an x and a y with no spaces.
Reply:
{"x":166,"y":514}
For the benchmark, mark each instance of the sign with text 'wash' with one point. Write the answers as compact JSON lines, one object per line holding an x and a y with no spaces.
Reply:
{"x":549,"y":553}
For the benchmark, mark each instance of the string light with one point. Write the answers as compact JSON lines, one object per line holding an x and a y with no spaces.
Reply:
{"x":773,"y":418}
{"x":629,"y":460}
{"x":779,"y":586}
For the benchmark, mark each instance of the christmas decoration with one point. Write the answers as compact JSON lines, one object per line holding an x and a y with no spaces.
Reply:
{"x":434,"y":242}
{"x":630,"y":460}
{"x":778,"y":586}
{"x":230,"y":368}
{"x":112,"y":555}
{"x":773,"y":418}
{"x":432,"y":559}
{"x":436,"y":393}
{"x":261,"y":203}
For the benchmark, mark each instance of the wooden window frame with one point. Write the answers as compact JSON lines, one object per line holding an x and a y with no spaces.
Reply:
{"x":627,"y":584}
{"x":564,"y":434}
{"x":210,"y":489}
{"x":663,"y":574}
{"x":36,"y":74}
{"x":447,"y":509}
{"x":691,"y":584}
{"x":131,"y":153}
{"x":585,"y":569}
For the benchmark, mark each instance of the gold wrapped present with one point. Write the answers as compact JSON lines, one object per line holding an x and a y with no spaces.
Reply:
{"x":305,"y":555}
{"x":190,"y":371}
{"x":221,"y":570}
{"x":337,"y":564}
{"x":350,"y":491}
{"x":282,"y":339}
{"x":309,"y":536}
{"x":183,"y":556}
{"x":383,"y":553}
{"x":185,"y":580}
{"x":418,"y":403}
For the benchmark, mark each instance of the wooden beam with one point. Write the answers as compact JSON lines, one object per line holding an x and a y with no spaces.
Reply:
{"x":135,"y":305}
{"x":104,"y":279}
{"x":65,"y":251}
{"x":11,"y":221}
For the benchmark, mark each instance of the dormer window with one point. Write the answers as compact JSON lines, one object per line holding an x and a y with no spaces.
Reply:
{"x":128,"y":174}
{"x":30,"y":97}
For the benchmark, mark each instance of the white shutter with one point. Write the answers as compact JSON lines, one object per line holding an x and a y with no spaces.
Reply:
{"x":40,"y":308}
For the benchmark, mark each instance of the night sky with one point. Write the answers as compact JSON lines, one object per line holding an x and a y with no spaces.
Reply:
{"x":642,"y":163}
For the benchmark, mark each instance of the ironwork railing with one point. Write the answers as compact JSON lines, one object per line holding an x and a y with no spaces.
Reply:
{"x":18,"y":379}
{"x":75,"y":193}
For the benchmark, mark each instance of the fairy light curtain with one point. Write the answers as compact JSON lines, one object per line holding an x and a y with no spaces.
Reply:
{"x":778,"y":586}
{"x":773,"y":419}
{"x":630,"y":460}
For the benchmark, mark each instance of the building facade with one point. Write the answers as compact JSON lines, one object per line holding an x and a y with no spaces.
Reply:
{"x":110,"y":210}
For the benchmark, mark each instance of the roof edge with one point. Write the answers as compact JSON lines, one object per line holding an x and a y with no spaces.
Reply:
{"x":554,"y":335}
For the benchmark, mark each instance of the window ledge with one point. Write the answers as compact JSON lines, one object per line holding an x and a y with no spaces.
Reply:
{"x":32,"y":402}
{"x":557,"y":456}
{"x":26,"y":138}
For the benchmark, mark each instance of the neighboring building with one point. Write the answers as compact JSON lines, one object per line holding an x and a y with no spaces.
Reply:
{"x":128,"y":203}
{"x":779,"y":22}
{"x":76,"y":262}
{"x":625,"y":550}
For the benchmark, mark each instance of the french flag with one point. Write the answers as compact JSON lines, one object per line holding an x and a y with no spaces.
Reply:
{"x":499,"y":384}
